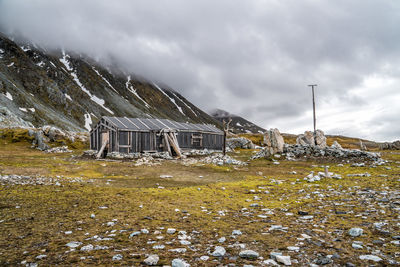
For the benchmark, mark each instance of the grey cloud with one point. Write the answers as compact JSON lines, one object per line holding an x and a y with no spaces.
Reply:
{"x":252,"y":58}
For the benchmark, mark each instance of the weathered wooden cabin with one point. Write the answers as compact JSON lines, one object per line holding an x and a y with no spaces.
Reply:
{"x":131,"y":135}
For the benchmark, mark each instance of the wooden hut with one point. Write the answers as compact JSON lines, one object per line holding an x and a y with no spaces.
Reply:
{"x":131,"y":135}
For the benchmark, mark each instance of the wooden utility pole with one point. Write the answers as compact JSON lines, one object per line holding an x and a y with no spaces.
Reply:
{"x":315,"y":120}
{"x":226,"y":130}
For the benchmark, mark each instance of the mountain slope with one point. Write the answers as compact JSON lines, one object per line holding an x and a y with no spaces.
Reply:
{"x":238,"y":124}
{"x":38,"y":87}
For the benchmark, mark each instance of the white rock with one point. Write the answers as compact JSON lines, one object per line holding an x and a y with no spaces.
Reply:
{"x":87,"y":248}
{"x":204,"y":258}
{"x":222,"y":240}
{"x":219,"y":251}
{"x":283,"y":259}
{"x":354,"y":232}
{"x":171,"y":231}
{"x":179,"y":263}
{"x":152,"y":260}
{"x":73,"y":244}
{"x":270,"y":262}
{"x":236,"y":232}
{"x":41,"y":257}
{"x":370,"y":258}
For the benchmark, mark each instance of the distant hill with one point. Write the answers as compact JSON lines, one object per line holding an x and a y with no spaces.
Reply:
{"x":40,"y":87}
{"x":238,"y":124}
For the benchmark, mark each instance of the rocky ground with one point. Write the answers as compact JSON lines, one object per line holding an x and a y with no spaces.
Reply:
{"x":62,"y":209}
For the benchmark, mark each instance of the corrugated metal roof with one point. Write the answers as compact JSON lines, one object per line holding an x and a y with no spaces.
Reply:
{"x":144,"y":124}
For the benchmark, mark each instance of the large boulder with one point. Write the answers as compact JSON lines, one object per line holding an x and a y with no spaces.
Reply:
{"x":273,"y":141}
{"x":239,"y":142}
{"x":308,"y":139}
{"x":53,"y":133}
{"x":390,"y":146}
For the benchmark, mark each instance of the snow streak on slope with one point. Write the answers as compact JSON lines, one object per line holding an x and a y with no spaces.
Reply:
{"x":88,"y":121}
{"x":65,"y":61}
{"x":171,"y":99}
{"x":9,"y":96}
{"x":133,"y":91}
{"x":94,"y":98}
{"x":185,"y":104}
{"x":104,"y":79}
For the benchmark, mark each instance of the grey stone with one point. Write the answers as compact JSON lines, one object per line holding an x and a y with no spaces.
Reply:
{"x":73,"y":244}
{"x":152,"y":260}
{"x":323,"y":260}
{"x":117,"y":257}
{"x":283,"y":259}
{"x":370,"y":258}
{"x":273,"y":141}
{"x":248,"y":254}
{"x":354,"y":232}
{"x":219,"y":251}
{"x":239,"y":142}
{"x":179,"y":263}
{"x":87,"y":247}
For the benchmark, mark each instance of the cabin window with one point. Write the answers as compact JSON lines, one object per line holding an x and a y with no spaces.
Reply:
{"x":124,"y":138}
{"x":197,"y":140}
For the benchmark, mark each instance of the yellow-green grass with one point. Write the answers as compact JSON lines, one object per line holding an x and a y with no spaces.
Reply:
{"x":133,"y":197}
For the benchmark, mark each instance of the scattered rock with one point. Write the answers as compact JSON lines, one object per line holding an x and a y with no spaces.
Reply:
{"x":370,"y":258}
{"x":354,"y":232}
{"x":219,"y":251}
{"x":179,"y":263}
{"x":248,"y":254}
{"x":73,"y":244}
{"x":152,"y":260}
{"x":283,"y":259}
{"x":117,"y":257}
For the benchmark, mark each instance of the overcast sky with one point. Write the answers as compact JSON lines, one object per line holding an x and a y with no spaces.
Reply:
{"x":252,"y":58}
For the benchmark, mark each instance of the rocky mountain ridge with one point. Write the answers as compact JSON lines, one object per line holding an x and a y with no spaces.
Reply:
{"x":70,"y":91}
{"x":238,"y":124}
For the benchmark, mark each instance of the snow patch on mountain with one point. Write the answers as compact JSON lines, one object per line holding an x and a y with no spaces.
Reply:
{"x":9,"y":96}
{"x":64,"y":60}
{"x":171,"y":99}
{"x":104,"y":79}
{"x":88,"y":121}
{"x":94,"y":98}
{"x":40,"y":64}
{"x":129,"y":86}
{"x":185,"y":104}
{"x":67,"y":96}
{"x":27,"y":48}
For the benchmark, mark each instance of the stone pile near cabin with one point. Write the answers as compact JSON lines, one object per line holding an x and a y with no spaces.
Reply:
{"x":390,"y":145}
{"x":308,"y":139}
{"x":239,"y":142}
{"x":310,"y":147}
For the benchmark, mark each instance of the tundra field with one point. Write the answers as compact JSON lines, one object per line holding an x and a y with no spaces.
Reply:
{"x":64,"y":209}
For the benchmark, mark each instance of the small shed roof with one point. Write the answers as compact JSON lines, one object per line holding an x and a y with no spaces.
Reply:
{"x":142,"y":124}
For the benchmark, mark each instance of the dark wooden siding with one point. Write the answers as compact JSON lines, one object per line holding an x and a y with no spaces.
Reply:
{"x":131,"y":141}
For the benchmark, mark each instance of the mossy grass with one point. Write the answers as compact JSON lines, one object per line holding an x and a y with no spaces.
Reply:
{"x":214,"y":204}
